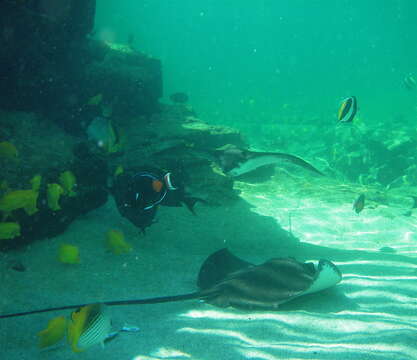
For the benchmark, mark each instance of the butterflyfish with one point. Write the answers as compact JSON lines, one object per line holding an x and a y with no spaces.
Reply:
{"x":347,"y":110}
{"x":89,"y":325}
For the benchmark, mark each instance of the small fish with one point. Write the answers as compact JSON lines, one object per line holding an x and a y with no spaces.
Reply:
{"x":17,"y":265}
{"x":68,"y":254}
{"x":95,"y":100}
{"x":105,"y":135}
{"x":114,"y":334}
{"x":89,"y":325}
{"x":53,"y":194}
{"x":54,"y":332}
{"x":36,"y":182}
{"x":17,"y":199}
{"x":359,"y":203}
{"x":68,"y":182}
{"x":347,"y":110}
{"x":119,"y":170}
{"x":116,"y":243}
{"x":8,"y":150}
{"x":9,"y":230}
{"x":409,"y":82}
{"x":179,"y":98}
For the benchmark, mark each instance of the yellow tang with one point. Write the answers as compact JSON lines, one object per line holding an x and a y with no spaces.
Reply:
{"x":89,"y":325}
{"x":68,"y":254}
{"x":119,"y":170}
{"x":36,"y":182}
{"x":115,"y":241}
{"x":53,"y":194}
{"x":54,"y":332}
{"x":68,"y":181}
{"x":9,"y":230}
{"x":19,"y":199}
{"x":95,"y":100}
{"x":8,"y":150}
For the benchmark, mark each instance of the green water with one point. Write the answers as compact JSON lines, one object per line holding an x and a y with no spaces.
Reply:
{"x":277,"y":70}
{"x":249,"y":63}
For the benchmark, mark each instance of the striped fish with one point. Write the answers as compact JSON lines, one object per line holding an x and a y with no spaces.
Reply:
{"x":89,"y":325}
{"x":347,"y":110}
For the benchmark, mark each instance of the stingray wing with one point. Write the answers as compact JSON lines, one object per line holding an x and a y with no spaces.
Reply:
{"x":219,"y":266}
{"x":264,"y":286}
{"x":289,"y":158}
{"x":327,"y":275}
{"x":275,"y":282}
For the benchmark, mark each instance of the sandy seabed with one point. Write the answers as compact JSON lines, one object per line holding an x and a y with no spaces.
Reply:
{"x":371,"y":314}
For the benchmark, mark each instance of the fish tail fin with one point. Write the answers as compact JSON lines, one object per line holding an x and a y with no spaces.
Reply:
{"x":191,"y":201}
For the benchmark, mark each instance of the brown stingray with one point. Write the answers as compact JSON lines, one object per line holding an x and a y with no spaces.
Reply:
{"x":225,"y":280}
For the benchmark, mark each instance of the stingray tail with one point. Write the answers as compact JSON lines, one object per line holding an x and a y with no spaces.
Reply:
{"x":300,"y":162}
{"x":155,"y":300}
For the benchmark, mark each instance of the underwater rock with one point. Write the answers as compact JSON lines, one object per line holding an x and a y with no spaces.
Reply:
{"x":90,"y":172}
{"x":128,"y":79}
{"x":69,"y":66}
{"x":172,"y":140}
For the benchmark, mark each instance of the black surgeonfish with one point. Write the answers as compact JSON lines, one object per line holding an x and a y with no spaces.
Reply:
{"x":139,"y":193}
{"x":347,"y":110}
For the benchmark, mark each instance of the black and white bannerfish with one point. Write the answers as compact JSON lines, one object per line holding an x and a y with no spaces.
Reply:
{"x":347,"y":110}
{"x":235,"y":161}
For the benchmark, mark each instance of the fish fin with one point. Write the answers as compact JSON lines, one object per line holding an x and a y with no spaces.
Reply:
{"x":327,"y":275}
{"x":191,"y":201}
{"x":218,"y":266}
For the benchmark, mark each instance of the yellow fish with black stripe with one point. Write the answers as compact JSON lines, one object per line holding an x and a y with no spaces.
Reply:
{"x":89,"y":325}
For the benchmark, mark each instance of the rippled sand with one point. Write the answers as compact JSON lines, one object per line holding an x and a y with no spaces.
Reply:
{"x":371,"y":314}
